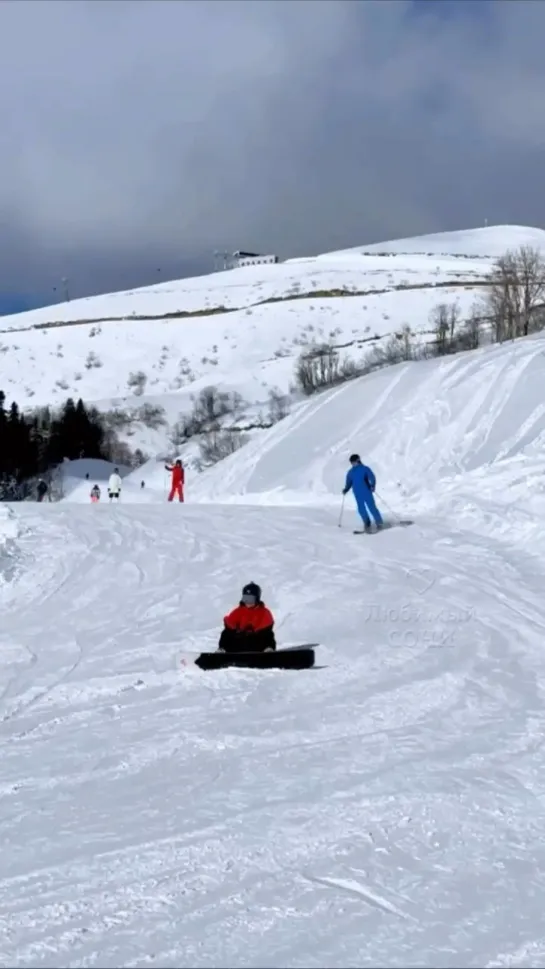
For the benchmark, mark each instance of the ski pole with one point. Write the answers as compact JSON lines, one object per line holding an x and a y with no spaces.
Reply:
{"x":341,"y":514}
{"x":389,"y":507}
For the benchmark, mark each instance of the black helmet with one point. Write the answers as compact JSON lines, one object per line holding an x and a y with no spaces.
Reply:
{"x":354,"y":459}
{"x":251,"y":594}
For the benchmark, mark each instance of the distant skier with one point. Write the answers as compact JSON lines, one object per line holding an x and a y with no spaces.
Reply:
{"x":362,"y":481}
{"x":114,"y":485}
{"x":177,"y":480}
{"x":250,"y":625}
{"x":95,"y":494}
{"x":41,"y":489}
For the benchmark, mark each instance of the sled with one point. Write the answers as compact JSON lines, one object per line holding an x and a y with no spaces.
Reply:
{"x":289,"y":658}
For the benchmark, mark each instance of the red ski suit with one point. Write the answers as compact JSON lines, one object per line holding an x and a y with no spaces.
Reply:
{"x":177,"y":482}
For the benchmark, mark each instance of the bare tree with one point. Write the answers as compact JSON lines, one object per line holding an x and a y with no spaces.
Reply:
{"x":406,"y":347}
{"x":516,"y":292}
{"x":279,"y":406}
{"x":137,"y":382}
{"x":218,"y":444}
{"x":445,"y":318}
{"x":210,"y":408}
{"x":531,"y":274}
{"x":321,"y":366}
{"x":469,"y":337}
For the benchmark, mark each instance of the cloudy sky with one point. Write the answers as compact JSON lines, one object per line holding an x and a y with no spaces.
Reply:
{"x":138,"y":136}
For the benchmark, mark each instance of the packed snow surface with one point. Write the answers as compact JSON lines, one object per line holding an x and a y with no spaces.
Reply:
{"x":383,"y":809}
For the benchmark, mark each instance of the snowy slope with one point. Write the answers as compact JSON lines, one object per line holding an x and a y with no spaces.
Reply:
{"x":248,"y":325}
{"x":470,"y":424}
{"x":252,"y":285}
{"x":346,"y":816}
{"x":384,"y":810}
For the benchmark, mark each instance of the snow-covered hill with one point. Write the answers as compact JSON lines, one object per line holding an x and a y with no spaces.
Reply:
{"x":384,"y":809}
{"x":483,"y":243}
{"x":243,"y":329}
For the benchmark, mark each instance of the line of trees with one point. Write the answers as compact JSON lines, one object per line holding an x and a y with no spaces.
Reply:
{"x":512,"y":306}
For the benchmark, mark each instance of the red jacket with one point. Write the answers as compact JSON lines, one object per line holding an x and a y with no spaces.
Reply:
{"x":178,"y":476}
{"x":252,"y":619}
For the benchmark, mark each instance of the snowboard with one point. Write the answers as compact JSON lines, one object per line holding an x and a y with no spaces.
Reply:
{"x":300,"y":657}
{"x":403,"y":523}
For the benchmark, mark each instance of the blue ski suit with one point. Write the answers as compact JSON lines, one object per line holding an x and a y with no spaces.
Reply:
{"x":362,"y":481}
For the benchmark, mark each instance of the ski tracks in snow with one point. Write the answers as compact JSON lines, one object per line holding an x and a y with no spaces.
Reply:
{"x":386,"y":810}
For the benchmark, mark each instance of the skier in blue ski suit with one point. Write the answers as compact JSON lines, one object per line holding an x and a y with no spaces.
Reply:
{"x":362,"y":481}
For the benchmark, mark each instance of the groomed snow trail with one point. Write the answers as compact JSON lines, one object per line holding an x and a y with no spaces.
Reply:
{"x":386,"y":809}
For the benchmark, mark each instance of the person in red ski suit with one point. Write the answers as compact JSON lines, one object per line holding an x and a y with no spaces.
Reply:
{"x":177,"y":481}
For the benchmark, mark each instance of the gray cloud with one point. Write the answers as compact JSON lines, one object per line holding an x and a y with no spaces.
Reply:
{"x":139,"y":135}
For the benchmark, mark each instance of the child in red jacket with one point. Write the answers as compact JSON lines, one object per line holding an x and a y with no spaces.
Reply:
{"x":249,"y":627}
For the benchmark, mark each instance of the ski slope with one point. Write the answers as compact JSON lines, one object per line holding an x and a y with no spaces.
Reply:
{"x":383,"y":809}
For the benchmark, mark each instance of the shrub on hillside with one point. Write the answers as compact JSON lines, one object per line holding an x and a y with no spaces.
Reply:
{"x":515,"y":296}
{"x":116,"y":419}
{"x":217,"y":445}
{"x":151,"y":415}
{"x":210,"y":408}
{"x":137,"y":382}
{"x":92,"y":361}
{"x":278,"y":406}
{"x":321,"y":367}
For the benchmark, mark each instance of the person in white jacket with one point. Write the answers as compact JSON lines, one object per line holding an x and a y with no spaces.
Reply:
{"x":114,"y":485}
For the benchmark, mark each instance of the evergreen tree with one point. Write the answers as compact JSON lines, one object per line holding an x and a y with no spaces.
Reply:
{"x":33,"y":445}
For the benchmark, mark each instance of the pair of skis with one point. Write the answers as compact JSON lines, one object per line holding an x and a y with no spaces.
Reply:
{"x":385,"y":527}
